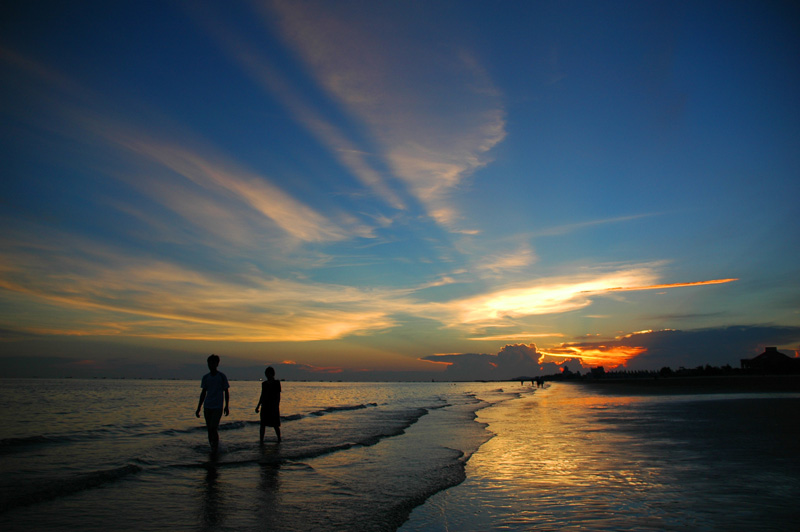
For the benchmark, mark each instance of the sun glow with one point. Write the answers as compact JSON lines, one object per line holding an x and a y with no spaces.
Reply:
{"x":607,"y":356}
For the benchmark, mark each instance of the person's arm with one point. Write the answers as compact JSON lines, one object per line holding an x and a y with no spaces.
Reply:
{"x":227,"y":400}
{"x":260,"y":399}
{"x":200,"y":402}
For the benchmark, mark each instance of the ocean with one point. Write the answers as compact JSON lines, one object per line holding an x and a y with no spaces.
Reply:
{"x":130,"y":455}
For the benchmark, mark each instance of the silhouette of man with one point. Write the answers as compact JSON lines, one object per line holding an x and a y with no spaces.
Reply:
{"x":215,"y":387}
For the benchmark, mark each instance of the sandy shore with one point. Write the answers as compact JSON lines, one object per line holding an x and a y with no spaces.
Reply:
{"x":640,"y":457}
{"x":695,"y":385}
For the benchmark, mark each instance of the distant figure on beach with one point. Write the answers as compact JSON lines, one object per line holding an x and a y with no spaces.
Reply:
{"x":215,"y":388}
{"x":271,"y":401}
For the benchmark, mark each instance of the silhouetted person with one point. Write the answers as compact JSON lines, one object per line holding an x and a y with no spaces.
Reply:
{"x":270,"y":400}
{"x":215,"y":388}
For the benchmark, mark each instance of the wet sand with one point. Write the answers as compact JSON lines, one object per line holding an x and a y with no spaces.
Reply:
{"x":647,"y":456}
{"x":695,"y":385}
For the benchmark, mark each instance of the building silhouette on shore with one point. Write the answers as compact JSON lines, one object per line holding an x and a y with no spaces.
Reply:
{"x":772,"y":362}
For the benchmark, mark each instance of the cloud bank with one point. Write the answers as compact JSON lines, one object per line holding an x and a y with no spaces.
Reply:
{"x":649,"y":350}
{"x":691,"y":348}
{"x":512,"y":361}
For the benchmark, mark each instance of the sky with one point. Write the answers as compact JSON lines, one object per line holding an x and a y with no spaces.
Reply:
{"x":397,"y":190}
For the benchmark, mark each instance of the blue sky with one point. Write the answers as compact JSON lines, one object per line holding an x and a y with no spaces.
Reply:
{"x":465,"y":189}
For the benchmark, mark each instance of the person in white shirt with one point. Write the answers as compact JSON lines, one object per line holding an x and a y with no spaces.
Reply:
{"x":215,"y":388}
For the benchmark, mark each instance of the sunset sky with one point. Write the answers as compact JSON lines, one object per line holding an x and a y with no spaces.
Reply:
{"x":397,"y":189}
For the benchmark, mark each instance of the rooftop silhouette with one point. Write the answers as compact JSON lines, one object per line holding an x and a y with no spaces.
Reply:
{"x":772,"y":361}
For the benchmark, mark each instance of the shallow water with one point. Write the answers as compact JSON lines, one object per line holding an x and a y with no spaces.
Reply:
{"x":130,"y":455}
{"x":566,"y":459}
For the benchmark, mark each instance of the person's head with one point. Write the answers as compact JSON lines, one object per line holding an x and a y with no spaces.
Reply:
{"x":269,"y":372}
{"x":213,"y":362}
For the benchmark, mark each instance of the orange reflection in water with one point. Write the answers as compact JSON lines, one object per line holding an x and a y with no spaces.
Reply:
{"x":555,"y":456}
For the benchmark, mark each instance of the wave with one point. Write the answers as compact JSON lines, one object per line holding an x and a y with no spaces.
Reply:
{"x":293,"y":451}
{"x":25,"y":443}
{"x":364,"y":440}
{"x":332,"y":409}
{"x":232,"y":425}
{"x":55,"y":488}
{"x":250,"y":422}
{"x":10,"y":445}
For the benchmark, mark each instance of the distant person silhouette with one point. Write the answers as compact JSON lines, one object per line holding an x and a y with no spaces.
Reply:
{"x":215,"y":388}
{"x":270,"y":400}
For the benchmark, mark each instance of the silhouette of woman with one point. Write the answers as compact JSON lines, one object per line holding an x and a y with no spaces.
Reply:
{"x":270,"y":400}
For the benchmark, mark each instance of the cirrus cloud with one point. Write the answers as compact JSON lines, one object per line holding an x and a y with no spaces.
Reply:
{"x":435,"y":119}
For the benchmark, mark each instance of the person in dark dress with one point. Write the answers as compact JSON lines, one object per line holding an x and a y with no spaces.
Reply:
{"x":270,"y":402}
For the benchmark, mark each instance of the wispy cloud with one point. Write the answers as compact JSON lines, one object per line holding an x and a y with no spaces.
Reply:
{"x":669,"y":285}
{"x":546,"y":296}
{"x":110,"y":291}
{"x":560,"y":230}
{"x":230,"y":189}
{"x":226,"y":179}
{"x":121,"y":292}
{"x":434,"y":112}
{"x":514,"y":261}
{"x":515,"y":337}
{"x":349,"y":152}
{"x":554,"y":295}
{"x":117,"y":293}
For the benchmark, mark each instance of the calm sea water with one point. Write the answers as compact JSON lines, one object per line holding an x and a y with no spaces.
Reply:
{"x":130,"y":455}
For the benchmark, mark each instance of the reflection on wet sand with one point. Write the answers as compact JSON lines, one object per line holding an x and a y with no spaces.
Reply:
{"x":558,"y":456}
{"x":212,"y":509}
{"x":269,"y":496}
{"x":567,"y":459}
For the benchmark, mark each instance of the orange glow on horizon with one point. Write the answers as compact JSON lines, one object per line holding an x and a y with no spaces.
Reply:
{"x":611,"y":357}
{"x":440,"y":362}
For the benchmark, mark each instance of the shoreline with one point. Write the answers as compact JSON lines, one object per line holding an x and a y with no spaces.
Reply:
{"x":574,"y":456}
{"x":694,"y":385}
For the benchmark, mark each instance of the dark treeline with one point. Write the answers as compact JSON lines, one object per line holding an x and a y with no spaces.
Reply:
{"x":664,"y":373}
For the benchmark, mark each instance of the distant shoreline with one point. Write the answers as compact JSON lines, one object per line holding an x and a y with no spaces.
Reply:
{"x":694,"y":385}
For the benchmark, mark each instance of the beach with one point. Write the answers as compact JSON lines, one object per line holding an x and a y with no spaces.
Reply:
{"x":695,"y":385}
{"x":598,"y":457}
{"x":130,"y":455}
